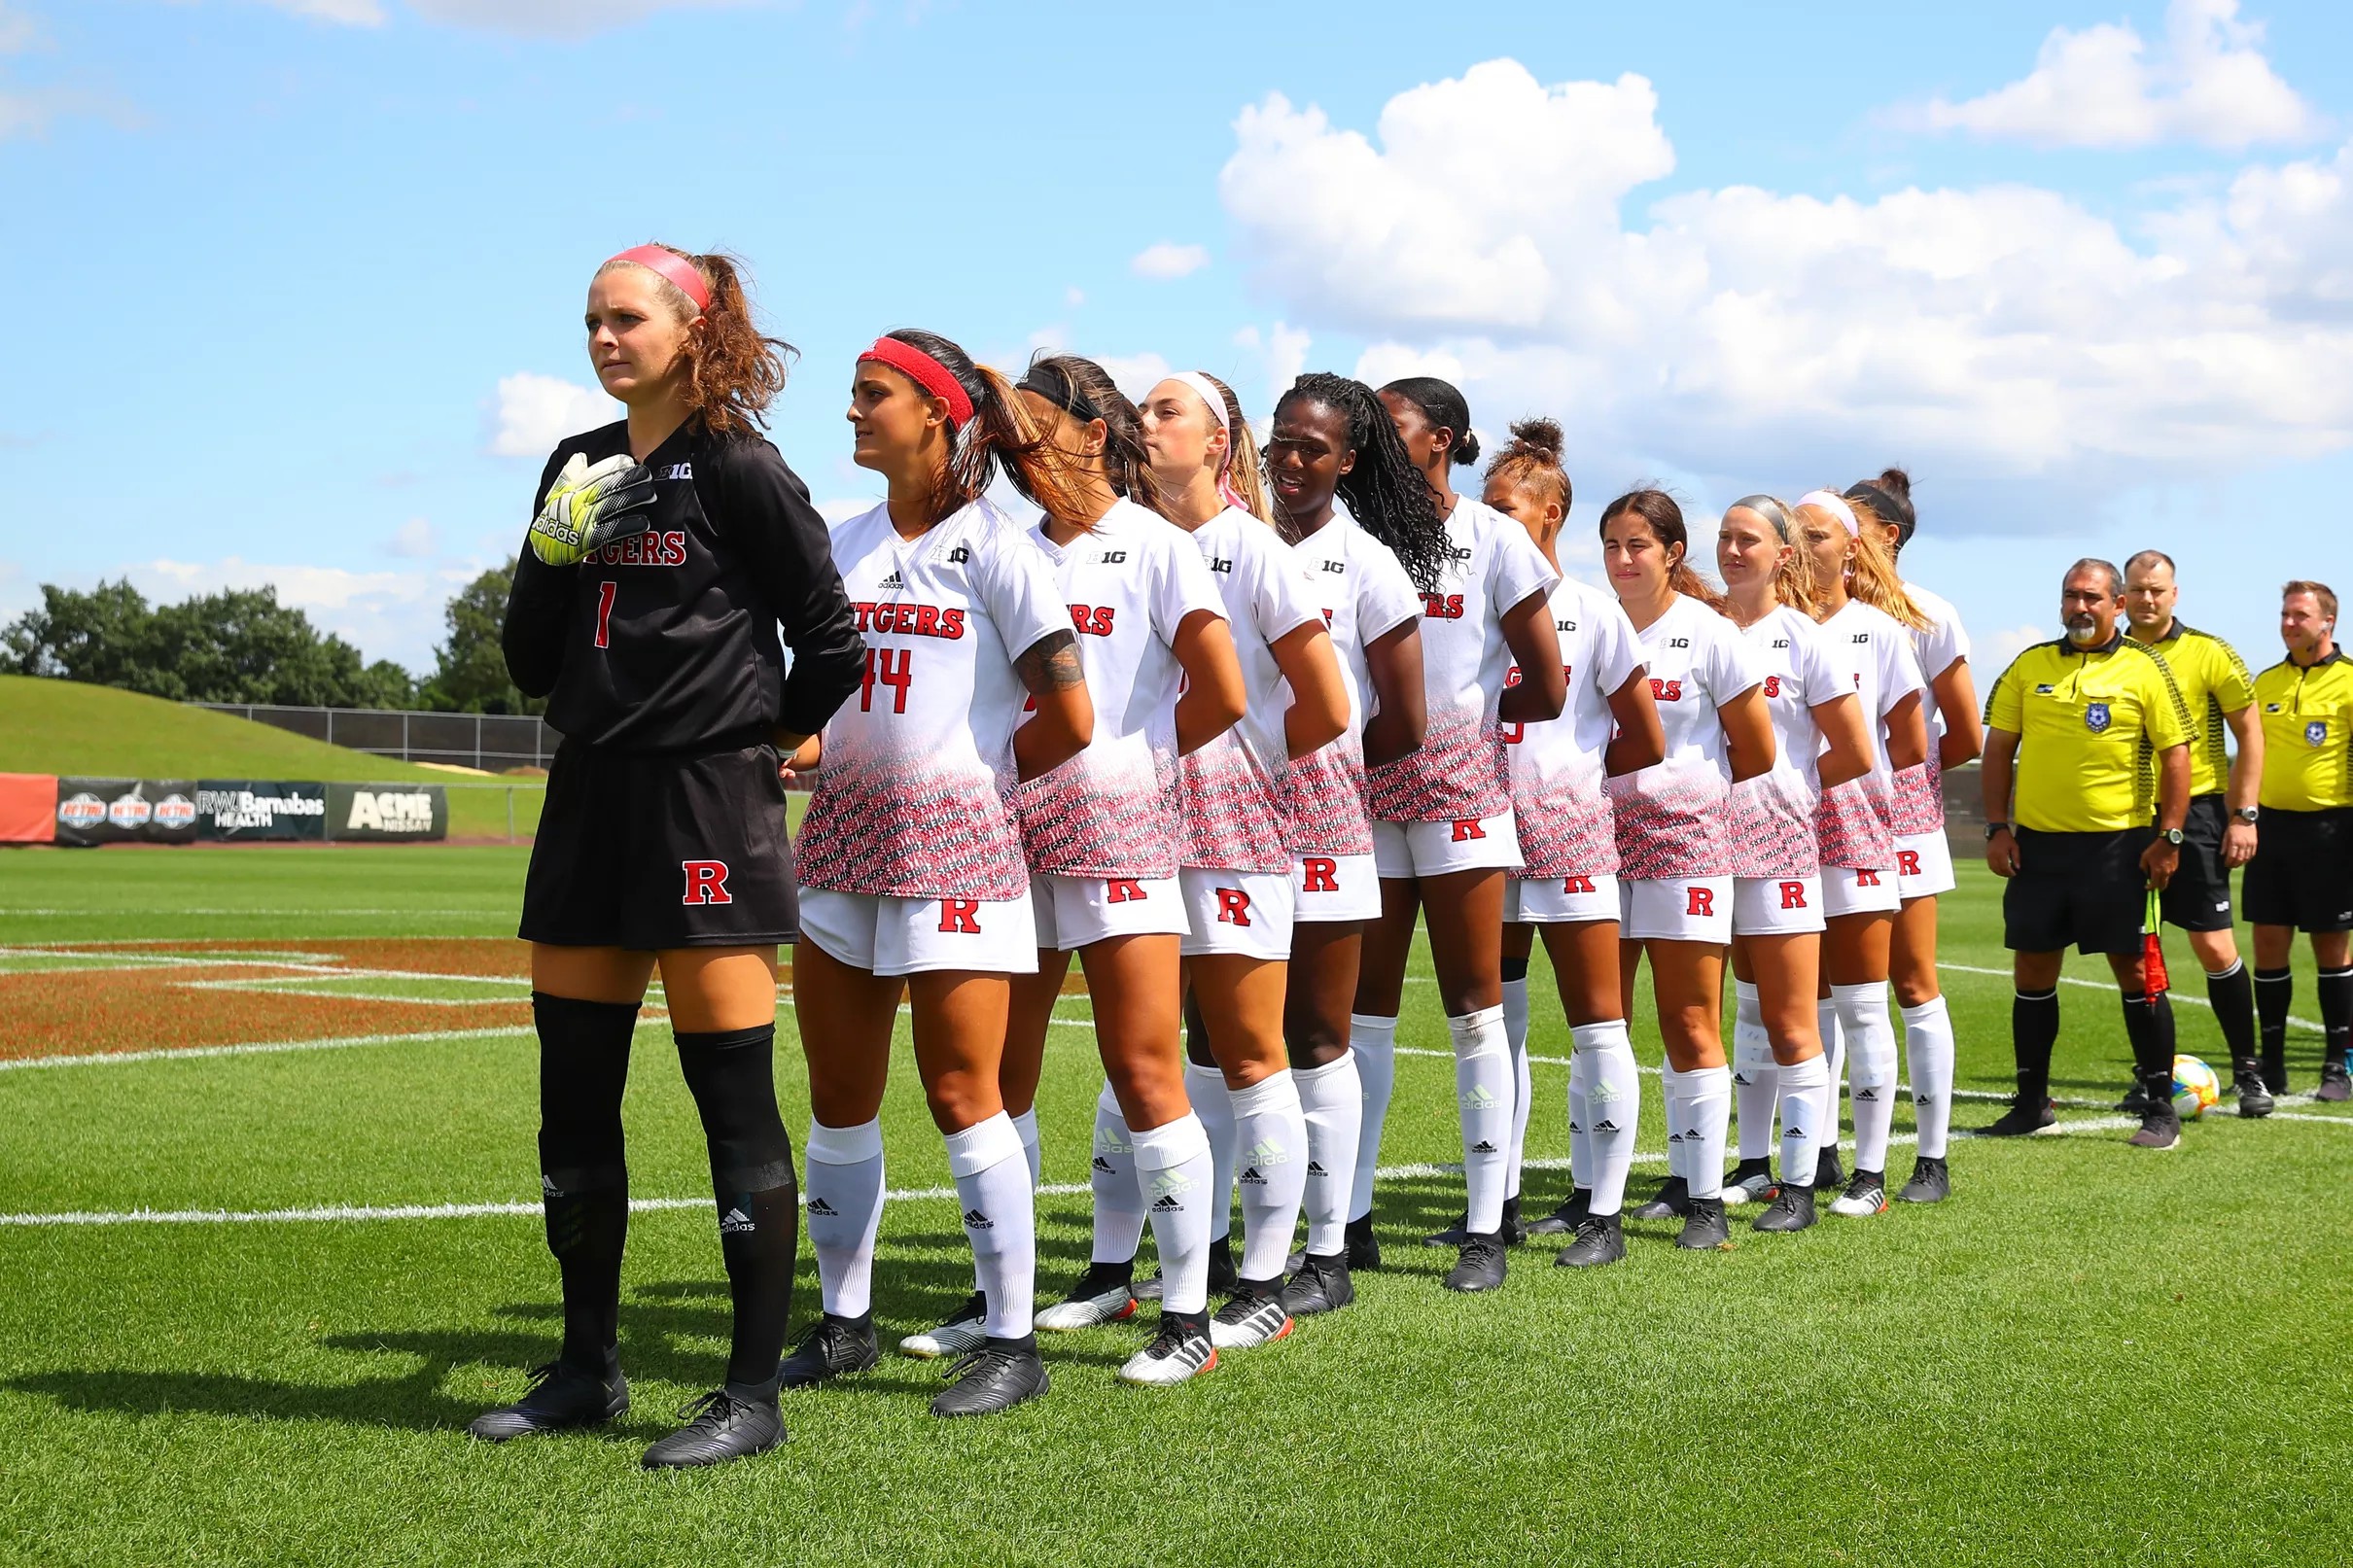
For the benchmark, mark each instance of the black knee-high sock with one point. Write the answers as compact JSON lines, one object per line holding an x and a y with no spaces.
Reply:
{"x":2336,"y":1015}
{"x":2233,"y":994}
{"x":583,"y":1170}
{"x":2034,"y":1024}
{"x":2149,"y":1026}
{"x":732,"y":1075}
{"x":2274,"y":990}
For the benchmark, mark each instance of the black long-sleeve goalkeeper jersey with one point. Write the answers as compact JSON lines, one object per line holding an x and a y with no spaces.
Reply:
{"x":667,"y":640}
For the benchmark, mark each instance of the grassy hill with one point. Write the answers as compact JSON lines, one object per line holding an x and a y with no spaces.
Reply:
{"x":61,"y":727}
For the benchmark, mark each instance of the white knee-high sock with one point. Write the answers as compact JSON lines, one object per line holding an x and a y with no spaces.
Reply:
{"x":1754,"y":1072}
{"x":1025,"y":1128}
{"x":1613,"y":1108}
{"x":845,"y":1212}
{"x":1870,"y":1068}
{"x":1706,"y":1118}
{"x":1206,"y":1088}
{"x":1119,"y":1199}
{"x":1270,"y":1130}
{"x":1483,"y":1096}
{"x":1672,"y":1094}
{"x":1172,"y":1168}
{"x":1834,"y":1063}
{"x":1331,"y":1103}
{"x":993,"y":1184}
{"x":1515,"y":1039}
{"x":1373,"y":1042}
{"x":1802,"y":1091}
{"x":1580,"y":1111}
{"x":1929,"y":1053}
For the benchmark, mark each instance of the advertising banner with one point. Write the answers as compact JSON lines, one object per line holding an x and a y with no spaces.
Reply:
{"x":248,"y":809}
{"x":120,"y":811}
{"x":415,"y":812}
{"x":28,"y":808}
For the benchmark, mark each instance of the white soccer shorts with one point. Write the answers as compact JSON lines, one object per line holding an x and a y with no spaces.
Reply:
{"x":1335,"y":887}
{"x":1923,"y":866}
{"x":1853,"y":891}
{"x":904,"y":936}
{"x":1559,"y":900}
{"x":1242,"y":912}
{"x":1403,"y":850}
{"x":1775,"y":906}
{"x":1676,"y":909}
{"x":1076,"y":912}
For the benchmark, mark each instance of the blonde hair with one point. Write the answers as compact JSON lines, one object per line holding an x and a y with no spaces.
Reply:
{"x":1241,"y":478}
{"x":1874,"y":578}
{"x":1793,"y":580}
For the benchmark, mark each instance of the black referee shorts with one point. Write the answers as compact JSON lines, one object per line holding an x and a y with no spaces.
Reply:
{"x":661,"y":849}
{"x":2198,"y":898}
{"x":2084,"y":889}
{"x":2303,"y":871}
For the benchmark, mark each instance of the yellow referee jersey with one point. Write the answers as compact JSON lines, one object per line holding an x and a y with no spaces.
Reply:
{"x":2308,"y":714}
{"x":2214,"y":683}
{"x":2090,"y":725}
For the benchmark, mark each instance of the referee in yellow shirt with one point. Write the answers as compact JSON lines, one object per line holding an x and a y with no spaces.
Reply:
{"x":2092,"y":732}
{"x":2302,"y":874}
{"x":2218,"y":833}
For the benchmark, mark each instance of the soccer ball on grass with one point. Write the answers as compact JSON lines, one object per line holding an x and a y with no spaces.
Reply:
{"x":2195,"y":1088}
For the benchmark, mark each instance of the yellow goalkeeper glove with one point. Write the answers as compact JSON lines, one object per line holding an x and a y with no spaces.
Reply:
{"x":590,"y":506}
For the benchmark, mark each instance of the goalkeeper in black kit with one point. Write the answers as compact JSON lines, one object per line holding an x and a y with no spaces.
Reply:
{"x":667,"y":549}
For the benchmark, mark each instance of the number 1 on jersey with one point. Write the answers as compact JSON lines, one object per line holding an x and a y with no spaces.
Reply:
{"x":890,"y":667}
{"x":604,"y":613}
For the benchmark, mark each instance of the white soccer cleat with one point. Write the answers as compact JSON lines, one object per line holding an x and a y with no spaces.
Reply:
{"x":1247,"y":1322}
{"x":960,"y":1335}
{"x":1084,"y":1310}
{"x":1758,"y":1187}
{"x":1176,"y":1354}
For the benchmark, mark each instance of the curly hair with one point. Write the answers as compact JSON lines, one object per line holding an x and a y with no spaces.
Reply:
{"x":1531,"y":461}
{"x":1385,"y":492}
{"x":733,"y":370}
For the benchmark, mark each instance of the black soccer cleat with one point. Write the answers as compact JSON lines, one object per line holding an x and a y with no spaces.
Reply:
{"x":2335,"y":1084}
{"x":1319,"y":1285}
{"x":2160,"y":1127}
{"x":2022,"y":1118}
{"x":561,"y":1398}
{"x":1705,"y":1229}
{"x":2276,"y":1071}
{"x":1600,"y":1239}
{"x":829,"y":1348}
{"x":1563,"y":1221}
{"x":1515,"y":1231}
{"x":1672,"y":1201}
{"x":1363,"y":1246}
{"x":1480,"y":1266}
{"x":1453,"y":1236}
{"x":1791,"y":1209}
{"x":997,"y":1377}
{"x":2254,"y":1098}
{"x":1828,"y":1174}
{"x":1931,"y":1182}
{"x":734,"y":1422}
{"x":2135,"y":1101}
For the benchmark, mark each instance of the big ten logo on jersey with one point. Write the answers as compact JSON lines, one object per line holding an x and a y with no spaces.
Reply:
{"x":960,"y":554}
{"x":1666,"y":690}
{"x":706,"y":882}
{"x":1566,"y":625}
{"x":1112,"y":558}
{"x":1336,"y":565}
{"x":908,"y":619}
{"x":1442,"y":606}
{"x":645,"y":549}
{"x":1092,"y":620}
{"x":1220,"y":563}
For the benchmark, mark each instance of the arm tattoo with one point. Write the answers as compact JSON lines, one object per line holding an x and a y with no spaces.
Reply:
{"x":1050,"y":664}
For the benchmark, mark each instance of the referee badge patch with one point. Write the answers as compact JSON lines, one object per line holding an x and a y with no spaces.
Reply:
{"x":2095,"y":718}
{"x":2316,"y":733}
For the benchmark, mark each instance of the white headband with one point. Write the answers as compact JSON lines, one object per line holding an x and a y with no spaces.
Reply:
{"x":1209,"y":393}
{"x":1837,"y":506}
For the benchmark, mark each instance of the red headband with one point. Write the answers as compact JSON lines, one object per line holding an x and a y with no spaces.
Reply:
{"x":926,"y":373}
{"x":671,"y":265}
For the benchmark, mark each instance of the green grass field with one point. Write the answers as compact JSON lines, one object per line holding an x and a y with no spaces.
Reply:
{"x":62,"y":726}
{"x":2091,"y":1354}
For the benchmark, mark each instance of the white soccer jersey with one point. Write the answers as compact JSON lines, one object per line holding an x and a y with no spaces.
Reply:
{"x":1110,"y":810}
{"x":1854,"y":823}
{"x":1460,"y":771}
{"x":1563,"y":815}
{"x":1920,"y":794}
{"x":1772,"y":832}
{"x":1670,"y":817}
{"x":1364,"y":595}
{"x":1231,"y":789}
{"x":911,"y":799}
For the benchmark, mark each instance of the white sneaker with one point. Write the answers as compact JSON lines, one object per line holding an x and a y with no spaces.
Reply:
{"x":1247,"y":1322}
{"x":1756,"y":1189}
{"x":1175,"y":1354}
{"x":1113,"y":1303}
{"x":1865,"y":1195}
{"x":960,"y":1334}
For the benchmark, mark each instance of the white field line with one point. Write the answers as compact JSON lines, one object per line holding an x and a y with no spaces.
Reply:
{"x":341,"y":1214}
{"x":2109,"y":987}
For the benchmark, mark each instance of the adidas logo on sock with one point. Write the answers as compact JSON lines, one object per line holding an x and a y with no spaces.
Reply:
{"x":1607,"y":1125}
{"x":1693,"y":1136}
{"x":1315,"y":1167}
{"x":975,"y":1220}
{"x":1740,"y":1078}
{"x":1573,"y":1127}
{"x":1267,"y":1152}
{"x":1104,"y":1165}
{"x":1166,"y":1203}
{"x":1168,"y":1184}
{"x":818,"y":1206}
{"x":1477,"y":1097}
{"x":548,"y":1188}
{"x":1251,"y":1178}
{"x":1606,"y":1092}
{"x":1482,"y":1148}
{"x":1674,"y":1137}
{"x":735,"y":1222}
{"x":1866,"y":1094}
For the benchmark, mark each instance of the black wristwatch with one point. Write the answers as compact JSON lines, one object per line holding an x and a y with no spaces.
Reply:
{"x":1992,"y":829}
{"x":2173,"y":836}
{"x":2246,"y":815}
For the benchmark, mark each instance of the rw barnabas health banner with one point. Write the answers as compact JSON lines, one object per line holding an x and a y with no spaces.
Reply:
{"x":260,"y":808}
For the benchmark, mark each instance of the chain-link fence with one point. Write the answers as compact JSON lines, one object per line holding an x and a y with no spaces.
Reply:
{"x":491,"y":742}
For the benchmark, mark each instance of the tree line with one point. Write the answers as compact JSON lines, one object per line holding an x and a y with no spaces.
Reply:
{"x":241,"y":646}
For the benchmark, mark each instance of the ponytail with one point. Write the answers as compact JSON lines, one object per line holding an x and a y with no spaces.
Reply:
{"x":1000,"y":430}
{"x":1441,"y":403}
{"x":1243,"y":481}
{"x":1085,"y":391}
{"x":732,"y":370}
{"x":1873,"y":577}
{"x":1665,"y":519}
{"x":1793,"y":581}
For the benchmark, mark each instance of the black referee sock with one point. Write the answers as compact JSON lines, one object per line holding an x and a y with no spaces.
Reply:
{"x":2336,"y":1015}
{"x":1515,"y":969}
{"x":732,"y":1075}
{"x":2034,"y":1024}
{"x":2233,"y":994}
{"x":583,"y":1172}
{"x":2274,"y":990}
{"x":2149,"y":1026}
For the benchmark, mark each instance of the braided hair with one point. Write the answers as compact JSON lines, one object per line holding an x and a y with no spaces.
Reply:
{"x":1385,"y":492}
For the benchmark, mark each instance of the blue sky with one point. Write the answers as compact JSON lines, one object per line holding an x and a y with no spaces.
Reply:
{"x":299,"y":281}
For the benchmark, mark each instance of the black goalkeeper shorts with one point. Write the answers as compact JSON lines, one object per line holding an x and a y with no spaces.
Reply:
{"x":661,"y":849}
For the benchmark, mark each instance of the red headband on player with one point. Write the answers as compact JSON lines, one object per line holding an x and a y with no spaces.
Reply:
{"x":926,"y":373}
{"x":671,"y":265}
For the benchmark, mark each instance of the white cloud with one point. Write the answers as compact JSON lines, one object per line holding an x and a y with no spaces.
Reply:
{"x":413,"y":540}
{"x":2208,"y":81}
{"x":1074,"y":297}
{"x":18,"y":31}
{"x":1996,"y":334}
{"x":1167,"y":259}
{"x":348,"y":12}
{"x":1995,"y":653}
{"x":1134,"y":373}
{"x":390,"y":614}
{"x":537,"y":411}
{"x":567,"y":19}
{"x":1281,"y":356}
